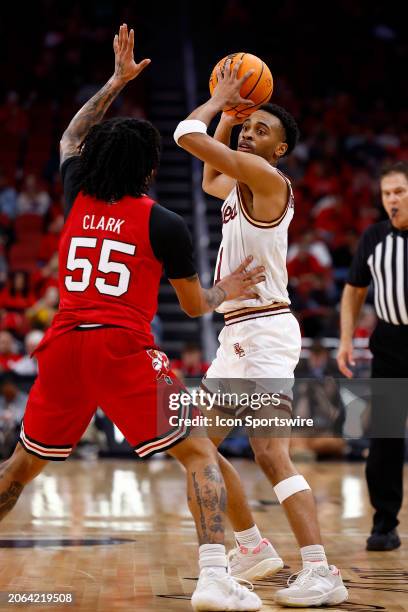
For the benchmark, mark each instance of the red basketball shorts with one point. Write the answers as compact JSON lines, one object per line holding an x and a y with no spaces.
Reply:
{"x":104,"y":367}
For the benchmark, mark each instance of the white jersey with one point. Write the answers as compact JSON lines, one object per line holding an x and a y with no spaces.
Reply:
{"x":266,"y":241}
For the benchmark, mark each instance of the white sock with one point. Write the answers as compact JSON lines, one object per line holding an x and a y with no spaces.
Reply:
{"x":249,"y":537}
{"x":313,"y":556}
{"x":213,"y":556}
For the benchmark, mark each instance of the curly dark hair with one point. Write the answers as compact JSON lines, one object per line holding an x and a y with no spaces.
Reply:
{"x":119,"y":157}
{"x":288,"y":122}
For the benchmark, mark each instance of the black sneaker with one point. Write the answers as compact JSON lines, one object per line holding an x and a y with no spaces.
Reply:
{"x":384,"y":541}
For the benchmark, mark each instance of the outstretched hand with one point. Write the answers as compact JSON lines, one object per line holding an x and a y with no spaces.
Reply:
{"x":227,"y":90}
{"x":241,"y":282}
{"x":126,"y":68}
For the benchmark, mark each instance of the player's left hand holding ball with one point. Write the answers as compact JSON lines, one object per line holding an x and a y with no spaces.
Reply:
{"x":126,"y":68}
{"x":227,"y":91}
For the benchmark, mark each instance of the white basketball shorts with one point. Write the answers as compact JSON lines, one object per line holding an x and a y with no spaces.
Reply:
{"x":267,"y":347}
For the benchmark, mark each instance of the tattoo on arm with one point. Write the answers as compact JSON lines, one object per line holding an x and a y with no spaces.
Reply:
{"x":92,"y":112}
{"x":214,"y":296}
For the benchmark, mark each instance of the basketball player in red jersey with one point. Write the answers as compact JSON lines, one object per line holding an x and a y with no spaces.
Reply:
{"x":261,"y":340}
{"x":99,"y":350}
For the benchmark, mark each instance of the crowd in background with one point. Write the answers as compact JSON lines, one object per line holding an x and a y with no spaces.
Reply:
{"x":342,"y":84}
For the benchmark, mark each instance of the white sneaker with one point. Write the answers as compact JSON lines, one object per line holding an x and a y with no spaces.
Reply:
{"x":215,"y":592}
{"x":254,"y":563}
{"x":314,"y":586}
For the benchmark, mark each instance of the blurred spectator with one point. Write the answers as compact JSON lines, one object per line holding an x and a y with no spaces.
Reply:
{"x":27,"y":365}
{"x":366,"y":322}
{"x":311,"y":288}
{"x":13,"y":118}
{"x":32,"y":200}
{"x":314,"y":246}
{"x":17,"y":295}
{"x":50,"y":240}
{"x":14,"y":322}
{"x":47,"y":276}
{"x":8,"y":352}
{"x":157,"y":329}
{"x":318,"y":364}
{"x":3,"y":263}
{"x":190,"y":364}
{"x":8,"y":197}
{"x":12,"y":406}
{"x":332,"y":217}
{"x":320,"y":181}
{"x":345,"y":249}
{"x":318,"y":397}
{"x":42,"y":312}
{"x":7,"y":233}
{"x":305,"y":271}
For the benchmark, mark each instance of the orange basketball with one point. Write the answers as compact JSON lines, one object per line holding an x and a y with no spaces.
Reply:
{"x":258,"y":87}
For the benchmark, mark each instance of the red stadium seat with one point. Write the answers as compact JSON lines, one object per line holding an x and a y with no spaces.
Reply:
{"x":23,"y":255}
{"x":28,"y":225}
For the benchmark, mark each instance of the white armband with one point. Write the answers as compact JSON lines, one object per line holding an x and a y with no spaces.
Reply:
{"x":189,"y":126}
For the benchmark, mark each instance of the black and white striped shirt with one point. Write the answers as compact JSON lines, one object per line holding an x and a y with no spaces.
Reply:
{"x":382,"y":256}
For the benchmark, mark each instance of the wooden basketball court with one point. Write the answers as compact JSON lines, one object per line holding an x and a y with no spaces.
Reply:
{"x":118,"y":535}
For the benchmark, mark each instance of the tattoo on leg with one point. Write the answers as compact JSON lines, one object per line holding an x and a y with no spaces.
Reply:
{"x":4,"y":468}
{"x":210,"y":498}
{"x":9,"y":497}
{"x":212,"y":473}
{"x":217,"y":520}
{"x":223,"y":500}
{"x":203,"y":537}
{"x":211,"y":501}
{"x":217,"y":523}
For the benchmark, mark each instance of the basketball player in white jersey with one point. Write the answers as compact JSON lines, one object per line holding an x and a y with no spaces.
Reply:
{"x":261,"y":338}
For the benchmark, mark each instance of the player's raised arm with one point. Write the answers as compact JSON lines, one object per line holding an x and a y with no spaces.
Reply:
{"x":196,"y":301}
{"x":191,"y":135}
{"x":126,"y":69}
{"x":214,"y":182}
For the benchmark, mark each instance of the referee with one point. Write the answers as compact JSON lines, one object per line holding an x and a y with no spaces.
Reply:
{"x":382,"y":257}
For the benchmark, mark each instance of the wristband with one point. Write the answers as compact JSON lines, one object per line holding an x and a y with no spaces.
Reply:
{"x":189,"y":126}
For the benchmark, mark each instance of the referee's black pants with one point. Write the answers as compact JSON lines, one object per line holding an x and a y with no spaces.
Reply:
{"x":384,"y":469}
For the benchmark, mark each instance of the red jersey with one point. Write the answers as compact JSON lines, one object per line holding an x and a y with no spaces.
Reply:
{"x":111,"y":258}
{"x":107,"y":270}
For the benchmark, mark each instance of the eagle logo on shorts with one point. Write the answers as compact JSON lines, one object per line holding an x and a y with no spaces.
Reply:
{"x":160,"y":364}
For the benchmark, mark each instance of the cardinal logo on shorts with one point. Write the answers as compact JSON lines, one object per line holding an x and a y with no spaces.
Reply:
{"x":239,"y":350}
{"x":160,"y":364}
